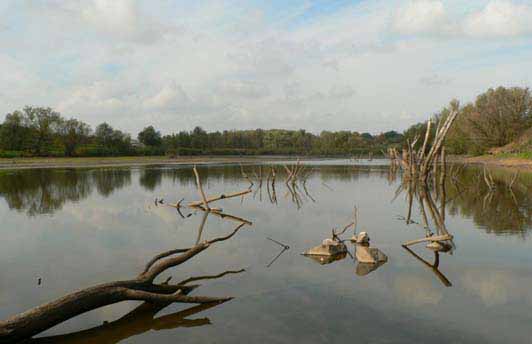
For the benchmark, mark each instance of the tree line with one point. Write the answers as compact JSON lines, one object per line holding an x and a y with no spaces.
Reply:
{"x":37,"y":131}
{"x":494,"y":119}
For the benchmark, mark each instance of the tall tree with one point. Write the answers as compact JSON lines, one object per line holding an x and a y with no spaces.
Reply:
{"x":73,"y":133}
{"x":44,"y":124}
{"x":150,"y":137}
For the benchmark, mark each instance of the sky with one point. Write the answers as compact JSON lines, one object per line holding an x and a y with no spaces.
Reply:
{"x":366,"y":65}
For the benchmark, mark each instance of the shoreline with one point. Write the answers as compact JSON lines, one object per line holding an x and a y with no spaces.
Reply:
{"x":512,"y":163}
{"x":136,"y":161}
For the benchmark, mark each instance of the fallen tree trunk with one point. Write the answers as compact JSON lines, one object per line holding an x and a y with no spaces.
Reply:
{"x":141,"y":288}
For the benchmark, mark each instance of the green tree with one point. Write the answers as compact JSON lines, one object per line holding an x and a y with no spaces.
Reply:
{"x":150,"y":137}
{"x":44,"y":123}
{"x":14,"y":133}
{"x":73,"y":133}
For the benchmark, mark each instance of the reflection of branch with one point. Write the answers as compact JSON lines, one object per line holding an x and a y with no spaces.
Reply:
{"x":202,"y":225}
{"x":327,"y":186}
{"x":433,"y":267}
{"x":246,"y":176}
{"x":306,"y":191}
{"x":279,"y":243}
{"x":140,"y":320}
{"x":286,"y":248}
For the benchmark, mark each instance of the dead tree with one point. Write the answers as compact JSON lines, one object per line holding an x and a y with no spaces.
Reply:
{"x":140,"y":320}
{"x":141,"y":288}
{"x":418,"y":164}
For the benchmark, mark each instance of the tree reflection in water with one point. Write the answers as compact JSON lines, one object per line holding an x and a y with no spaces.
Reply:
{"x":143,"y":287}
{"x":140,"y":320}
{"x":502,"y":211}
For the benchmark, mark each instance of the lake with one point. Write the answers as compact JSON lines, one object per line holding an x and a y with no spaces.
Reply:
{"x":66,"y":229}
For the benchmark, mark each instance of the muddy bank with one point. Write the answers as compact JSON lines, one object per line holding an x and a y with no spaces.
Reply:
{"x":512,"y":163}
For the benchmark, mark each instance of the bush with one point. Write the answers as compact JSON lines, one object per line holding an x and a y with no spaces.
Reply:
{"x":11,"y":154}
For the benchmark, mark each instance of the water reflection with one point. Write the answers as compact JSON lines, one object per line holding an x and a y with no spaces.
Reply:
{"x":500,"y":210}
{"x":277,"y":304}
{"x":108,"y":181}
{"x":140,"y":320}
{"x":143,"y":287}
{"x":44,"y":191}
{"x":151,"y":178}
{"x":436,"y":237}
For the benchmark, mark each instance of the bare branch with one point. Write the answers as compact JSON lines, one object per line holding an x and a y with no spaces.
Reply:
{"x":200,"y":188}
{"x":206,"y":277}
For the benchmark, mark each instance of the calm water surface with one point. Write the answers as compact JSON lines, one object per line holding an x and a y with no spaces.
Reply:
{"x":78,"y":227}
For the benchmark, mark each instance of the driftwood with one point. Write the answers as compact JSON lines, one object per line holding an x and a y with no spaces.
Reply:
{"x":217,"y":198}
{"x":200,"y":188}
{"x":141,"y":288}
{"x":204,"y":203}
{"x":431,"y":239}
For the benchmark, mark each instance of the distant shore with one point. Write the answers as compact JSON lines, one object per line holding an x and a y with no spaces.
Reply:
{"x":134,"y":161}
{"x":129,"y":161}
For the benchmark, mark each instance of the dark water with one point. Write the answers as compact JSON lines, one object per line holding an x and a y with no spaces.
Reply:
{"x":79,"y":227}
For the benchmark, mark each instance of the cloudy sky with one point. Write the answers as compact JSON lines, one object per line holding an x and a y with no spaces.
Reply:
{"x":370,"y":65}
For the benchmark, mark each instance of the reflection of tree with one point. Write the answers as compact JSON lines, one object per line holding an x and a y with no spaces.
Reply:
{"x":143,"y":287}
{"x":44,"y":191}
{"x":437,"y":238}
{"x":502,"y":210}
{"x":150,"y":178}
{"x":107,"y":181}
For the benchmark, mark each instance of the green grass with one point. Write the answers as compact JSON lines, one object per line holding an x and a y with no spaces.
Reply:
{"x":521,"y":155}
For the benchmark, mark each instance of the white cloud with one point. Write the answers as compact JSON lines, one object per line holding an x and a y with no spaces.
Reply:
{"x":341,"y":91}
{"x":434,"y":80}
{"x":170,"y":96}
{"x":244,"y":88}
{"x":226,"y":65}
{"x":420,"y":16}
{"x":500,"y":18}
